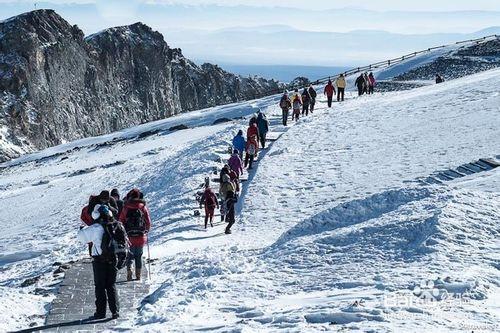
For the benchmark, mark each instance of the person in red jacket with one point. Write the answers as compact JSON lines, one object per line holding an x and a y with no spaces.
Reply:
{"x":251,"y":151}
{"x":253,"y":130}
{"x":329,"y":92}
{"x":135,"y":217}
{"x":209,"y":199}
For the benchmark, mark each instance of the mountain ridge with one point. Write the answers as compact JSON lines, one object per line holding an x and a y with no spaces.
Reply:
{"x":57,"y":85}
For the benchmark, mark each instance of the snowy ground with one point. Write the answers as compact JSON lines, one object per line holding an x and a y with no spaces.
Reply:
{"x":334,"y":232}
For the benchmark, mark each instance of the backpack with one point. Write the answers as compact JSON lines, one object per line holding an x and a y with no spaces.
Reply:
{"x":296,"y":104}
{"x":251,"y":149}
{"x":135,"y":225}
{"x":114,"y":245}
{"x":210,"y":199}
{"x":284,"y":103}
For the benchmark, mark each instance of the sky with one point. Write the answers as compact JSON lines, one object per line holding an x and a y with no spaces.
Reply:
{"x":379,"y":5}
{"x":205,"y":29}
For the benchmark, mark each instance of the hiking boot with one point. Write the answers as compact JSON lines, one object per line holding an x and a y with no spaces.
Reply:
{"x":138,"y":274}
{"x":115,"y":315}
{"x":97,"y":316}
{"x":129,"y":274}
{"x":228,"y":232}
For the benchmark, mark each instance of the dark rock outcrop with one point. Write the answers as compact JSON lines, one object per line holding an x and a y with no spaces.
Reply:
{"x":56,"y":85}
{"x":462,"y":62}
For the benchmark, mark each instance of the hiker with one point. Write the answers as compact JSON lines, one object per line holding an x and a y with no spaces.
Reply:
{"x":371,"y":82}
{"x":225,"y":187}
{"x":224,"y":171}
{"x":230,"y":218}
{"x":135,"y":217}
{"x":296,"y":105}
{"x":313,"y":94}
{"x":285,"y":105}
{"x":360,"y":82}
{"x":251,"y":150}
{"x":109,"y":252}
{"x":235,"y":163}
{"x":253,"y":130}
{"x":341,"y":84}
{"x":263,"y":127}
{"x":239,"y":143}
{"x":119,"y":202}
{"x":329,"y":92}
{"x":366,"y":84}
{"x":306,"y":100}
{"x":209,"y":200}
{"x":439,"y":79}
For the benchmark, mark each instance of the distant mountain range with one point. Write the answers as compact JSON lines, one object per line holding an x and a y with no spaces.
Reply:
{"x":288,"y":46}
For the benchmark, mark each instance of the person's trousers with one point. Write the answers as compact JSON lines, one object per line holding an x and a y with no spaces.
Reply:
{"x":249,"y":160}
{"x":263,"y":140}
{"x":370,"y":90}
{"x":305,"y":109}
{"x":311,"y":106}
{"x":136,"y":256}
{"x":340,"y":92}
{"x":105,"y":287}
{"x":296,"y":114}
{"x":285,"y":116}
{"x":209,"y":214}
{"x":330,"y":99}
{"x":360,"y":91}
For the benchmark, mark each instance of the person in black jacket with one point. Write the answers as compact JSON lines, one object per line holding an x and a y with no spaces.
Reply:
{"x":360,"y":83}
{"x":313,"y":94}
{"x":306,"y":100}
{"x":104,"y":264}
{"x":230,"y":214}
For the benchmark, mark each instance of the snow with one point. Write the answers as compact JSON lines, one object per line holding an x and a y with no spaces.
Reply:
{"x":334,"y":231}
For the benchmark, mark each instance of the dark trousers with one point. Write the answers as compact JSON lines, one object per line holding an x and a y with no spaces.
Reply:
{"x":311,"y":106}
{"x":230,"y":219}
{"x":285,"y":116}
{"x":249,"y":160}
{"x":105,"y":288}
{"x":370,"y":90}
{"x":296,"y":114}
{"x":305,"y":109}
{"x":360,"y":90}
{"x":263,"y":140}
{"x":136,"y":256}
{"x":330,"y":99}
{"x":340,"y":92}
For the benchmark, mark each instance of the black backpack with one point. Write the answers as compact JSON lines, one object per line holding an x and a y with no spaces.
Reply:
{"x":134,"y":223}
{"x":115,"y":245}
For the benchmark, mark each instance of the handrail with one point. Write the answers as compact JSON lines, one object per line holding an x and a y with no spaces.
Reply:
{"x":386,"y":63}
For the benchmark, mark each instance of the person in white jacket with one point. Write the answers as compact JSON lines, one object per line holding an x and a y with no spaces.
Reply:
{"x":103,"y":265}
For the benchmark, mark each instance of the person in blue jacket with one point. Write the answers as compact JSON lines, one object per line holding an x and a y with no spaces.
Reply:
{"x":239,"y":143}
{"x":263,"y":125}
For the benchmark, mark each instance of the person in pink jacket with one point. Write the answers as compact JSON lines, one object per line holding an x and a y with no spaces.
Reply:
{"x":371,"y":83}
{"x":235,"y":163}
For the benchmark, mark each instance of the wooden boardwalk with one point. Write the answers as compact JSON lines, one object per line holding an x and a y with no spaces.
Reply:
{"x":74,"y":304}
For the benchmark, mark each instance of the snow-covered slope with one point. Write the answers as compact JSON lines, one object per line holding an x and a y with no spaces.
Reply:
{"x":334,"y":230}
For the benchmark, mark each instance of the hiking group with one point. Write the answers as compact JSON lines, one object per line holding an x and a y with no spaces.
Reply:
{"x":116,"y":233}
{"x":244,"y":152}
{"x":303,"y":103}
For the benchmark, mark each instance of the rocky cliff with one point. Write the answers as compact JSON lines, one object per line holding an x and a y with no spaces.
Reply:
{"x":56,"y":85}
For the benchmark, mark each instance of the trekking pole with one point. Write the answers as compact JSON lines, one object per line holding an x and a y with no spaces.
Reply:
{"x":149,"y":257}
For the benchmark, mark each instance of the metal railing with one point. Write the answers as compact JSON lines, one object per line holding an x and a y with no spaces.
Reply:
{"x":381,"y":64}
